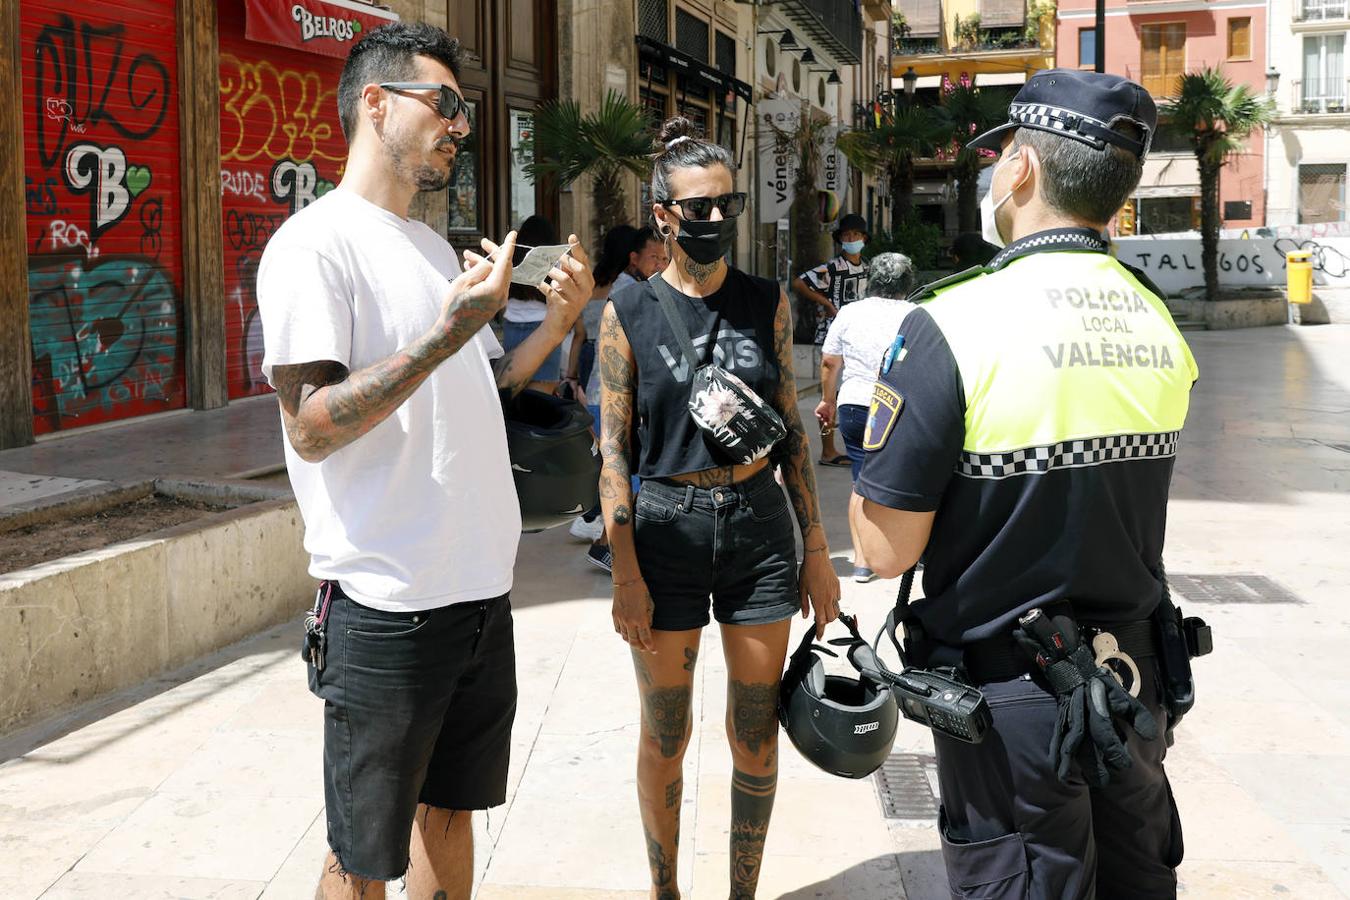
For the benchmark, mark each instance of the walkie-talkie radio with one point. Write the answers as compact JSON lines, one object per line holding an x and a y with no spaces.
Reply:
{"x":930,"y":697}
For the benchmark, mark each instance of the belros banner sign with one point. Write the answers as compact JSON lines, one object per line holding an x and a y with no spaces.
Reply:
{"x":327,"y":27}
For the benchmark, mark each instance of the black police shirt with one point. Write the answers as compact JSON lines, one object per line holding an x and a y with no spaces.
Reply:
{"x":1079,"y":520}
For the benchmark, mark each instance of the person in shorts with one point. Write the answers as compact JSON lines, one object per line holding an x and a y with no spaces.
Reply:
{"x":704,"y":533}
{"x":391,"y":399}
{"x":850,"y":359}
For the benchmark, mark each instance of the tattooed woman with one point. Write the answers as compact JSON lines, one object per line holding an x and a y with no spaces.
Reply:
{"x":703,"y":532}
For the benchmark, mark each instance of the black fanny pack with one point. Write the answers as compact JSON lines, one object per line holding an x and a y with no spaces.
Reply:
{"x":730,"y":414}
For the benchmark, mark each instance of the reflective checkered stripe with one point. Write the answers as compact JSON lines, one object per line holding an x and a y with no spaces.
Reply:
{"x":1047,"y":116}
{"x":1068,"y":455}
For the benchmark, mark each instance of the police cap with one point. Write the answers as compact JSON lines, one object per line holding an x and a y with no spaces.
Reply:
{"x":1079,"y":105}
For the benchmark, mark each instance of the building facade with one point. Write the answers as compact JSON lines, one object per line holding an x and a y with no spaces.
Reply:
{"x":1155,"y":42}
{"x":987,"y":43}
{"x":162,"y":143}
{"x":1307,"y":153}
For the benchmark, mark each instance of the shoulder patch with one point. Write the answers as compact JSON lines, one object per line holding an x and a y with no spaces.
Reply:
{"x":881,"y":417}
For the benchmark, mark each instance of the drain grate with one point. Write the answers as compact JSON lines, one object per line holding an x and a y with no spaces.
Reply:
{"x":905,"y":784}
{"x":1229,"y":589}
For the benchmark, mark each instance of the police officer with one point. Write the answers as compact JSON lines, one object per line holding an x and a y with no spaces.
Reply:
{"x":1021,"y":437}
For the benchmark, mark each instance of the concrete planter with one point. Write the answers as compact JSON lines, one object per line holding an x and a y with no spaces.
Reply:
{"x":103,"y":620}
{"x":1245,"y":310}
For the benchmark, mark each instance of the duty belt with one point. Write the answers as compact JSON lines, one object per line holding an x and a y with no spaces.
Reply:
{"x":1118,"y":646}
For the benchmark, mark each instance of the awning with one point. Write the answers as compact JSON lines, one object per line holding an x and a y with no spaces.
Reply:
{"x":922,"y":17}
{"x":327,"y":27}
{"x":668,"y":57}
{"x":1002,"y":13}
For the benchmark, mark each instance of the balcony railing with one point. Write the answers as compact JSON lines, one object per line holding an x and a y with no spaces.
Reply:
{"x":835,"y":25}
{"x":1320,"y":10}
{"x":1322,"y":95}
{"x":916,"y":46}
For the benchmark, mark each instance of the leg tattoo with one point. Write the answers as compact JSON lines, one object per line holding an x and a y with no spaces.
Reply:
{"x":663,"y":876}
{"x":754,"y":718}
{"x":666,"y":711}
{"x":673,"y":792}
{"x":751,"y":804}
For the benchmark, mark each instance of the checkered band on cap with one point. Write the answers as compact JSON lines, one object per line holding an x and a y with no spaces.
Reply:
{"x":1057,"y":118}
{"x":1068,"y":455}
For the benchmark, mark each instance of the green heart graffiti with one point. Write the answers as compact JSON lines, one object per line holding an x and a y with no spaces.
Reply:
{"x":138,"y":179}
{"x":356,"y":26}
{"x":323,"y":187}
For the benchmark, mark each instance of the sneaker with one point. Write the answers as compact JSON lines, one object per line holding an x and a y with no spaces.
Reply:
{"x":600,"y":557}
{"x":587,"y":531}
{"x":862,"y":574}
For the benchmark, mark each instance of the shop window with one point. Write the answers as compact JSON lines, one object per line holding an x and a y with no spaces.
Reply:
{"x":465,"y":208}
{"x":654,"y":20}
{"x":1164,"y":215}
{"x":522,"y":154}
{"x":1321,"y":193}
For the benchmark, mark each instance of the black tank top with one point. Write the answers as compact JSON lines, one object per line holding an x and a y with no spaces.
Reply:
{"x":741,"y":315}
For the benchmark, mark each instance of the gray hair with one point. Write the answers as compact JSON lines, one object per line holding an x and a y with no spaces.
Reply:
{"x":890,"y":275}
{"x":684,"y":149}
{"x":1079,"y":180}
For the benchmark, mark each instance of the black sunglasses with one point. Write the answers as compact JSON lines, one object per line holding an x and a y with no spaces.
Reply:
{"x":698,"y":209}
{"x":448,"y":105}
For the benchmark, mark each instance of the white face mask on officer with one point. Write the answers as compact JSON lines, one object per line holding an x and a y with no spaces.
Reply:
{"x":988,"y":224}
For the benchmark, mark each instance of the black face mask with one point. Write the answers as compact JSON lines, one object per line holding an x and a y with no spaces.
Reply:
{"x":707,"y":242}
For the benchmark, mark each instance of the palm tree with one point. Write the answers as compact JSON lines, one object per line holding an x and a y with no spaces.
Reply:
{"x":1215,"y":117}
{"x":972,"y":112}
{"x":604,"y":144}
{"x":890,"y":148}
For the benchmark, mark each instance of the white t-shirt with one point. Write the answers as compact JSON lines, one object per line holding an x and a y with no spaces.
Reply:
{"x":861,"y":333}
{"x":521,"y":311}
{"x":421,"y":511}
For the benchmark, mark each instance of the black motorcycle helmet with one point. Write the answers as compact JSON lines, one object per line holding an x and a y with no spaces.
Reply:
{"x":553,"y":458}
{"x":843,"y":725}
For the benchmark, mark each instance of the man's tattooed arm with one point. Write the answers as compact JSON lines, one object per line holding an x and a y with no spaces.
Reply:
{"x":794,"y":452}
{"x":325,"y":407}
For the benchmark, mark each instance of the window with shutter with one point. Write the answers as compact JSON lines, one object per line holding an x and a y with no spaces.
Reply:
{"x":1321,"y":193}
{"x":1162,"y":57}
{"x":1240,"y":38}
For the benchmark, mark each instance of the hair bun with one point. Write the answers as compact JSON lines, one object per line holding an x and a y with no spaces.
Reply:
{"x":676,"y":130}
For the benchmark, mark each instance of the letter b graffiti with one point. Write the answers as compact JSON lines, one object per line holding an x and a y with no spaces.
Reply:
{"x":294,"y":182}
{"x":102,"y":171}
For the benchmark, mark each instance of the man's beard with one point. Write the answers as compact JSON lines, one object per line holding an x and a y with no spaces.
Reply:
{"x":425,"y":177}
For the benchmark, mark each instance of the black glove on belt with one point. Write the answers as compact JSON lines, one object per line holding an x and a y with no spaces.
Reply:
{"x":1089,"y":699}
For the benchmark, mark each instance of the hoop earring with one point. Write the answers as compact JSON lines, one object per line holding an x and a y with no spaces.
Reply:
{"x":665,"y":230}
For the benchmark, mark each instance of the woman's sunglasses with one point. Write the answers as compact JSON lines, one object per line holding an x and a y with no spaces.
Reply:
{"x":448,"y":104}
{"x":698,"y":209}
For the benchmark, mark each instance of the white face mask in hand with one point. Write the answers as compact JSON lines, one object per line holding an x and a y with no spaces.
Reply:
{"x":988,"y":224}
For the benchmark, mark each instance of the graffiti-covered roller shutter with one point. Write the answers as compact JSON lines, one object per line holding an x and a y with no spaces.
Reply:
{"x":101,"y":167}
{"x":281,"y":147}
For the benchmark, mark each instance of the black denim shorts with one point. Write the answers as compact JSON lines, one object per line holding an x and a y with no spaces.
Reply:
{"x":733,"y":544}
{"x":417,"y":709}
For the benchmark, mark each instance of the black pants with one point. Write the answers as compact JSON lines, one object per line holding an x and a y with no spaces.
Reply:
{"x":1012,"y":829}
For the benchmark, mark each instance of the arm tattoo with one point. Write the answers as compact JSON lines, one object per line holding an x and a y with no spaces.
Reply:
{"x":618,"y":386}
{"x":690,"y":657}
{"x":511,"y":378}
{"x":794,"y":453}
{"x":751,"y":805}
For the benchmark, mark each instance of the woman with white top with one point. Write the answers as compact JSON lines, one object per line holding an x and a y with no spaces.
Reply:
{"x":850,"y":358}
{"x":525,"y":306}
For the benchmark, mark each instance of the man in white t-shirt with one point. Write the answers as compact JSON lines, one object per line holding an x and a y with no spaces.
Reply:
{"x":851,"y":355}
{"x":390,"y":391}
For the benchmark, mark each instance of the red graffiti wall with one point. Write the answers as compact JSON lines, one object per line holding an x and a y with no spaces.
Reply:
{"x":101,"y":170}
{"x":281,"y":147}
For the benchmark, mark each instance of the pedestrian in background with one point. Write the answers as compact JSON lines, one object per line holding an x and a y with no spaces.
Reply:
{"x":525,"y":306}
{"x":831,"y":286}
{"x":850,"y":358}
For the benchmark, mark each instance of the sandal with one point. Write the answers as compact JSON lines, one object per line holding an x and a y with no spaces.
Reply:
{"x":841,"y":461}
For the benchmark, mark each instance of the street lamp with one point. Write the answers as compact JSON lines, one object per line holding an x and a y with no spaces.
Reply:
{"x":1272,"y":80}
{"x":787,"y":42}
{"x":910,"y":79}
{"x":809,"y":57}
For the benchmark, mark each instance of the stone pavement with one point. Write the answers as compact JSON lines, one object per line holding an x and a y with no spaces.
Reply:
{"x":206,"y":783}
